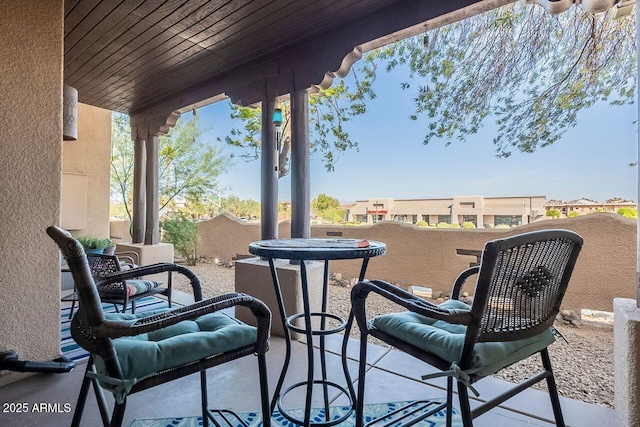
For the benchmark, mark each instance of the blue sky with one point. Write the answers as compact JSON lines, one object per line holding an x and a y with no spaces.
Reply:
{"x":591,"y":160}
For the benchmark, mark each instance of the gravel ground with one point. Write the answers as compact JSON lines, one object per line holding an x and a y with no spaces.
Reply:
{"x":583,"y":367}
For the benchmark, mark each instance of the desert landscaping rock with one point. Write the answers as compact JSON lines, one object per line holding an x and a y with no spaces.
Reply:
{"x":583,"y":367}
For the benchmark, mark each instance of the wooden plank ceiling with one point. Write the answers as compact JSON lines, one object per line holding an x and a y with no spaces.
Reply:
{"x":131,"y":55}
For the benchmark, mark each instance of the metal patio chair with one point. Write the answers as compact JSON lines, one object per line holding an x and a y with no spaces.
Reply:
{"x":133,"y":352}
{"x":521,"y":281}
{"x":124,"y":291}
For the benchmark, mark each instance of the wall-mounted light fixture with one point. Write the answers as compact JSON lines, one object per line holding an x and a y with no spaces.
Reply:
{"x":69,"y":113}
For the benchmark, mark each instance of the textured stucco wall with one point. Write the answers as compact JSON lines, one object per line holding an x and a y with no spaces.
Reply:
{"x":427,"y":256}
{"x":626,"y":361}
{"x":30,"y":166}
{"x":89,"y":155}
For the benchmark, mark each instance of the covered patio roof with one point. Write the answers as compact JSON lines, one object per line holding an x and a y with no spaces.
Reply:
{"x":142,"y":56}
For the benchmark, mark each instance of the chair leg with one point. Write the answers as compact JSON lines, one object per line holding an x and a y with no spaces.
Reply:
{"x":82,"y":397}
{"x":264,"y":391}
{"x":118,"y":414}
{"x":553,"y":389}
{"x":133,"y":307}
{"x":465,"y":408}
{"x":449,"y":401}
{"x":203,"y":398}
{"x":73,"y":305}
{"x":362,"y":368}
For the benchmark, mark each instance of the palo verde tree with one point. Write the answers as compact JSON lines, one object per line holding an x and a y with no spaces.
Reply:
{"x":188,"y":164}
{"x":530,"y":71}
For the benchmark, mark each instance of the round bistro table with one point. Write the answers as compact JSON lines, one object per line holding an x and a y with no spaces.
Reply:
{"x":300,"y":251}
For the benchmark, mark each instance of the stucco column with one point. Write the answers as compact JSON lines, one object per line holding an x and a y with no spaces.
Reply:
{"x":269,"y":173}
{"x":626,"y":329}
{"x":147,"y":131}
{"x":139,"y":197}
{"x":300,"y":168}
{"x":152,"y":228}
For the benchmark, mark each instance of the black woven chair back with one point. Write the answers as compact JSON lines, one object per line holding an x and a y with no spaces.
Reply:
{"x":105,"y":265}
{"x":90,"y":315}
{"x":521,"y":283}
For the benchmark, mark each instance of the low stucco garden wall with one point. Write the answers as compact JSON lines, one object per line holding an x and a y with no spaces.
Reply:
{"x":427,"y":256}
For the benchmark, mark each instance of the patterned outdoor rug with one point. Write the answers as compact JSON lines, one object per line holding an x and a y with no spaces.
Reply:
{"x":254,"y":419}
{"x":72,"y":350}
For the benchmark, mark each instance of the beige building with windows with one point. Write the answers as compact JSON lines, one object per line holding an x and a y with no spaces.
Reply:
{"x":586,"y":206}
{"x":479,"y":210}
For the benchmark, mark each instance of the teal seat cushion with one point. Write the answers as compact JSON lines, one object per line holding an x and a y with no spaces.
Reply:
{"x":446,"y":340}
{"x":179,"y":344}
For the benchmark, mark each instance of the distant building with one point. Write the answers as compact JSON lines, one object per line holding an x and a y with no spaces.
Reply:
{"x":481,"y":211}
{"x":586,"y":206}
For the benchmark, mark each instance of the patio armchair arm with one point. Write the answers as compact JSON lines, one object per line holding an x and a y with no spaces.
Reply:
{"x":393,"y":293}
{"x":122,"y":328}
{"x":135,"y":273}
{"x":462,"y":279}
{"x":127,"y":261}
{"x":132,"y":255}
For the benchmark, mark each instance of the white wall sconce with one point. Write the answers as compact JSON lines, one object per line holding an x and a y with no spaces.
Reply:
{"x":69,"y":113}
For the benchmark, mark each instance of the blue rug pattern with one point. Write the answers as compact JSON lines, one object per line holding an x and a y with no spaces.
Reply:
{"x":254,"y":419}
{"x":73,"y":351}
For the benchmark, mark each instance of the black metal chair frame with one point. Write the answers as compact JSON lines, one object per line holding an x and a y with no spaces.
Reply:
{"x":127,"y":260}
{"x":506,"y":271}
{"x":116,"y":292}
{"x":95,"y":334}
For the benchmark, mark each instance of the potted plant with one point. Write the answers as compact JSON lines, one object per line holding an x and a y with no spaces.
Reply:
{"x":94,"y":244}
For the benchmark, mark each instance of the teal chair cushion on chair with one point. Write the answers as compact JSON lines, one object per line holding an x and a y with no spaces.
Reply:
{"x":446,"y":340}
{"x":165,"y":348}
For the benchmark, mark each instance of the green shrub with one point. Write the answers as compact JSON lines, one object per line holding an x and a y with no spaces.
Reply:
{"x":468,"y":224}
{"x":422,"y":224}
{"x":443,"y":225}
{"x":455,"y":225}
{"x":503,"y":226}
{"x":572,"y":214}
{"x":183,"y":234}
{"x":628,"y":212}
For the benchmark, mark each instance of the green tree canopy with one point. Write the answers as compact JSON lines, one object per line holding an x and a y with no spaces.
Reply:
{"x":328,"y":208}
{"x":246,"y":208}
{"x":324,"y":202}
{"x":188,"y":165}
{"x":553,"y":213}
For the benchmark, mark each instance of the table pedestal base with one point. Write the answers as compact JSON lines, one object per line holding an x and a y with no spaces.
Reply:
{"x":253,"y":277}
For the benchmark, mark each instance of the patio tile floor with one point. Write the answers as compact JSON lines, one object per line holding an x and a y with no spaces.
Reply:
{"x":392,"y":376}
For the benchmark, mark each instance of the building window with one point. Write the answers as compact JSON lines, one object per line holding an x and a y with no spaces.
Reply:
{"x":444,"y":218}
{"x":468,"y":205}
{"x":507,"y":220}
{"x":470,"y":218}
